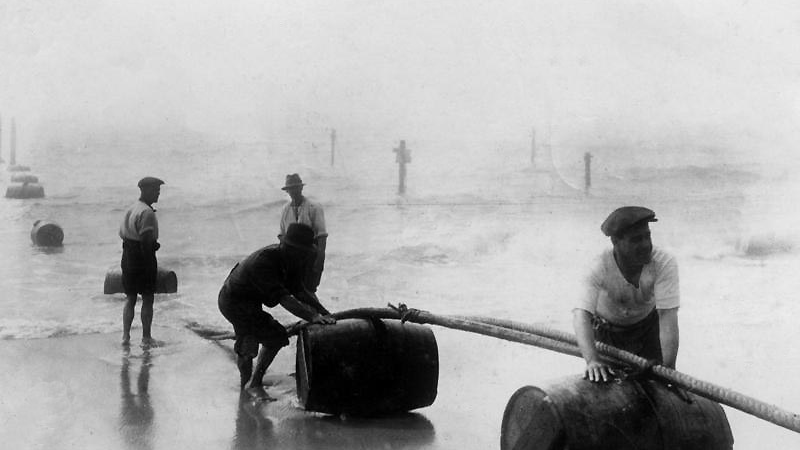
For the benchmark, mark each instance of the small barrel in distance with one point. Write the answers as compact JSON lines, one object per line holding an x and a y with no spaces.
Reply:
{"x":24,"y":178}
{"x":47,"y":234}
{"x":166,"y":281}
{"x":25,"y":190}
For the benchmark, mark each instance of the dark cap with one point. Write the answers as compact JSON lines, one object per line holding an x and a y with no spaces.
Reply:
{"x":301,"y":236}
{"x":293,"y":180}
{"x":626,"y":217}
{"x":150,"y":181}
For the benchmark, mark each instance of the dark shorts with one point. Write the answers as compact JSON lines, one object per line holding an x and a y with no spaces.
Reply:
{"x":251,"y":324}
{"x":139,"y":272}
{"x":642,"y":338}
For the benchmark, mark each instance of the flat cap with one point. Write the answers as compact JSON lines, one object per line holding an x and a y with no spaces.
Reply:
{"x":623,"y":218}
{"x":150,"y":181}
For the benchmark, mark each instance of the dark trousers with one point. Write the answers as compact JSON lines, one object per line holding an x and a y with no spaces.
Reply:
{"x":139,"y":270}
{"x":642,"y":338}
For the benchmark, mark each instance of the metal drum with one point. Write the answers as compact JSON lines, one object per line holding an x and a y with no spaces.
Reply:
{"x":367,"y":367}
{"x":577,"y":414}
{"x":166,"y":282}
{"x":25,"y":190}
{"x":47,"y":234}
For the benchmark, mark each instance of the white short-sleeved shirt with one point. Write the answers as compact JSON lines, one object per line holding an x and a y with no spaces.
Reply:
{"x":139,"y":218}
{"x":609,"y":295}
{"x":308,"y":212}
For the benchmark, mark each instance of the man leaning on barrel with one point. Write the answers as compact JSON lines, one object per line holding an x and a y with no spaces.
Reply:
{"x":273,"y":275}
{"x":139,"y":233}
{"x":632,"y":296}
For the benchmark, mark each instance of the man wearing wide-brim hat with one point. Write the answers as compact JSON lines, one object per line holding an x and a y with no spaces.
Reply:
{"x":139,"y":234}
{"x":301,"y":209}
{"x":632,"y":296}
{"x":270,"y":276}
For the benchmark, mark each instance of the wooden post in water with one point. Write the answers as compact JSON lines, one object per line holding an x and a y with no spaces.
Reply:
{"x":533,"y":148}
{"x":333,"y":145}
{"x":587,"y":162}
{"x":403,"y":157}
{"x":12,"y":160}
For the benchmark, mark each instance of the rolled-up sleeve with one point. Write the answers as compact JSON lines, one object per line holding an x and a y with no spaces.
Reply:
{"x":667,"y":285}
{"x":318,"y":220}
{"x":591,"y":293}
{"x":147,"y":222}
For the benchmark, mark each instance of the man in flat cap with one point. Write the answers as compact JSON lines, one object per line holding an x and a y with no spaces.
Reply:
{"x":632,"y":296}
{"x":139,"y":233}
{"x":270,"y":276}
{"x":301,"y":209}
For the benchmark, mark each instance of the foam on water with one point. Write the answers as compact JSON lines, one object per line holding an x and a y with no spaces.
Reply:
{"x":471,"y":227}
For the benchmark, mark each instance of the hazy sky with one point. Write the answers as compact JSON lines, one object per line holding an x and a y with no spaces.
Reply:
{"x":653,"y":73}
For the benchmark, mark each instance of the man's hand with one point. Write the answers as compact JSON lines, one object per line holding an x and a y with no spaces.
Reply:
{"x":597,"y":372}
{"x":325,"y":320}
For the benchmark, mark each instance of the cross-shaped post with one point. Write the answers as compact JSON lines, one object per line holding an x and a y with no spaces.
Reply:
{"x":403,"y":156}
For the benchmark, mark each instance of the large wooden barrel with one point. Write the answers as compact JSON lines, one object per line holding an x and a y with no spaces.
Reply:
{"x":24,"y":178}
{"x":166,"y":283}
{"x":577,"y":414}
{"x":47,"y":234}
{"x":25,"y":190}
{"x":367,"y":367}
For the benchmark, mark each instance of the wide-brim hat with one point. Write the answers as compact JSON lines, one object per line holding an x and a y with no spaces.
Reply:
{"x":300,"y":236}
{"x":293,"y":180}
{"x":622,"y":219}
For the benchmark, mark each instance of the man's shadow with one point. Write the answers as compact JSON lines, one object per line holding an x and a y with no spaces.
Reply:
{"x":136,"y":412}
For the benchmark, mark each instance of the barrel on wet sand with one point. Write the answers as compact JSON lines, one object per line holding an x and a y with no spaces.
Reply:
{"x":577,"y":414}
{"x":47,"y":234}
{"x":166,"y":281}
{"x":25,"y":190}
{"x":367,"y":367}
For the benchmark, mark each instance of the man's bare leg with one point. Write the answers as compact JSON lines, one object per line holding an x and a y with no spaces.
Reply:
{"x":245,"y":365}
{"x":127,"y":318}
{"x":147,"y":316}
{"x":265,"y":357}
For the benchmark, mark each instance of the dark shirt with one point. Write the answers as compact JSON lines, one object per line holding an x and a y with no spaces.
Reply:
{"x":265,"y":277}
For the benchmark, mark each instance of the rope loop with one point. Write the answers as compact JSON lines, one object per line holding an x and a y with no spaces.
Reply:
{"x":406,"y":313}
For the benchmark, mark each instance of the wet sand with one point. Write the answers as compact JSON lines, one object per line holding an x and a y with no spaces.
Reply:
{"x":89,"y":392}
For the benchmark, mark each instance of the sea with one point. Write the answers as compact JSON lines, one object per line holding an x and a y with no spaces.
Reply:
{"x":479,"y":230}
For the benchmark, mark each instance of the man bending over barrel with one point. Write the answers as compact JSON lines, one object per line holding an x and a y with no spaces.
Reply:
{"x":632,"y":296}
{"x":273,"y":275}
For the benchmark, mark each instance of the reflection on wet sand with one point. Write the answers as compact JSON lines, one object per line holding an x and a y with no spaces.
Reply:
{"x":136,"y":412}
{"x":252,"y":430}
{"x":262,"y":424}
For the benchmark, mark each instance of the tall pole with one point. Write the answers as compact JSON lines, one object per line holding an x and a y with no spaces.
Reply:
{"x":533,"y":148}
{"x":13,"y":158}
{"x":1,"y":138}
{"x":333,"y":145}
{"x":587,"y":162}
{"x":403,"y":157}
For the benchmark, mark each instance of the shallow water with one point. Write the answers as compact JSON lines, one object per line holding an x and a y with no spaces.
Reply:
{"x":494,"y":239}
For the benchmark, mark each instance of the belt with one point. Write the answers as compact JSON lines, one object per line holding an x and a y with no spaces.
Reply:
{"x":600,"y":323}
{"x":130,"y":243}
